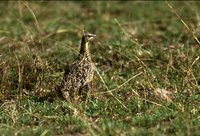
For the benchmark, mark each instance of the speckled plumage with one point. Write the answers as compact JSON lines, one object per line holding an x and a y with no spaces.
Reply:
{"x":79,"y":74}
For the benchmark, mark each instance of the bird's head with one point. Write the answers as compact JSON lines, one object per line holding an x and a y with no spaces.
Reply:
{"x":87,"y":37}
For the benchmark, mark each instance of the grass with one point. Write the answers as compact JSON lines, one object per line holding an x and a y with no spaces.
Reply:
{"x":146,"y":57}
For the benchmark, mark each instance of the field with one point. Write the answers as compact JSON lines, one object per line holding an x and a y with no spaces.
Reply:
{"x":147,"y":79}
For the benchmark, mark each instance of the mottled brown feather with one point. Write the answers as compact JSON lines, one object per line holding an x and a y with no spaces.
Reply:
{"x":80,"y":72}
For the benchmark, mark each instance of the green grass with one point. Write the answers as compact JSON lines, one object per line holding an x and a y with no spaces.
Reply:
{"x":132,"y":38}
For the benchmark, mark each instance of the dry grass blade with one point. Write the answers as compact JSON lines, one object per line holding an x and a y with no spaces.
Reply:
{"x":20,"y":9}
{"x":195,"y":61}
{"x":34,"y":16}
{"x":193,"y":34}
{"x":44,"y":133}
{"x":124,"y":83}
{"x":190,"y":69}
{"x":126,"y":33}
{"x":19,"y":74}
{"x":26,"y":28}
{"x":109,"y":90}
{"x":152,"y":102}
{"x":4,"y":31}
{"x":57,"y":32}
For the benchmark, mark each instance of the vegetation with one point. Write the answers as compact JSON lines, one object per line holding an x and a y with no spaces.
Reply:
{"x":148,"y":79}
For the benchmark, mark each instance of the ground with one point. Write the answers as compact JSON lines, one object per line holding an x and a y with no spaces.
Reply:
{"x":146,"y":55}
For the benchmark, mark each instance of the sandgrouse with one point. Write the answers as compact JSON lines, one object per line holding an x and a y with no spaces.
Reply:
{"x":79,"y":74}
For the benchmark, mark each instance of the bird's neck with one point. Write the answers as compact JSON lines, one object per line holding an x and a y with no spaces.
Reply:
{"x":84,"y":50}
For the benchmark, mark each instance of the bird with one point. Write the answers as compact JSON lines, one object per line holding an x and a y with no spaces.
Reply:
{"x":78,"y":75}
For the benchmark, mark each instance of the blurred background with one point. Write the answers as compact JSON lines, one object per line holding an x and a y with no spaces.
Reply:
{"x":158,"y":39}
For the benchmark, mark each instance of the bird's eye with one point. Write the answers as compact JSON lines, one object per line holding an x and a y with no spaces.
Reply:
{"x":90,"y":36}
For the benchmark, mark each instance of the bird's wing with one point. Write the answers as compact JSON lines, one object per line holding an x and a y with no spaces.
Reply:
{"x":69,"y":68}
